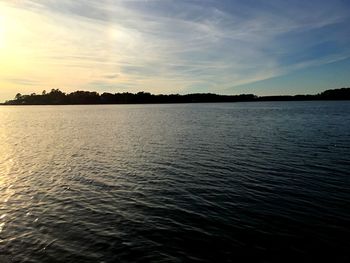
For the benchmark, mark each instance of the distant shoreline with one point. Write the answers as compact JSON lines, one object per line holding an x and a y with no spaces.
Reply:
{"x":57,"y":97}
{"x":168,"y":103}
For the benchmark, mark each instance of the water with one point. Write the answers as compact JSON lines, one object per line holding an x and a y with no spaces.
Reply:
{"x":268,"y":182}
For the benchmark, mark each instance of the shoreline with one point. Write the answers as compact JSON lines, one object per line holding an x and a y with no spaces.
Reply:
{"x":57,"y":97}
{"x":169,"y":103}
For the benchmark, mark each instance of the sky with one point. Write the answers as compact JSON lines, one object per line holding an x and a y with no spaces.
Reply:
{"x":174,"y":46}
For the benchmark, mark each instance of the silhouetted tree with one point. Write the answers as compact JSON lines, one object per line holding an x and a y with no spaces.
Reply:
{"x":18,"y":96}
{"x":336,"y":94}
{"x":55,"y":96}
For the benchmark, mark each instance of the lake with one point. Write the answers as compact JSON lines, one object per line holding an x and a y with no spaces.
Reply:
{"x":261,"y":181}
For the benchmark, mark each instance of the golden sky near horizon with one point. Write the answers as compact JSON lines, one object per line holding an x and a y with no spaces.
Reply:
{"x":36,"y":53}
{"x":40,"y":52}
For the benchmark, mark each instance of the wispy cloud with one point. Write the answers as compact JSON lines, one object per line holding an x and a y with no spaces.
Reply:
{"x":24,"y":81}
{"x":180,"y":46}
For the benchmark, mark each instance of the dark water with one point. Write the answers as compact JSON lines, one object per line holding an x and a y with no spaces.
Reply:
{"x":268,"y":182}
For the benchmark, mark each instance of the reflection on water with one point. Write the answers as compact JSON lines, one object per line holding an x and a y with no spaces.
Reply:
{"x":6,"y":164}
{"x":151,"y":183}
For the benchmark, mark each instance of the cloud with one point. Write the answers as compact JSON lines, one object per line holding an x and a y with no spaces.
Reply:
{"x":182,"y":46}
{"x":111,"y":76}
{"x":23,"y":81}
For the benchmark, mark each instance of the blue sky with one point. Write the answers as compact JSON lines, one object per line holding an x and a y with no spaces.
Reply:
{"x":167,"y":46}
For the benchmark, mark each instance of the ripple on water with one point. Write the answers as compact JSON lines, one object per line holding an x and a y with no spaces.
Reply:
{"x":266,"y":182}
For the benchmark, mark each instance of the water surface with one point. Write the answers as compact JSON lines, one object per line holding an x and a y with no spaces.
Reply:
{"x":265,"y":181}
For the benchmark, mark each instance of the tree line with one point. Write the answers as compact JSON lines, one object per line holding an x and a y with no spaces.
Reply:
{"x":57,"y":97}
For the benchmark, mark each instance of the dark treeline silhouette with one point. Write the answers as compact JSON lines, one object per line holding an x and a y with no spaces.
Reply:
{"x":57,"y":97}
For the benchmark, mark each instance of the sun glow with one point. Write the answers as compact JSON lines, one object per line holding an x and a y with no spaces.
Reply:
{"x":2,"y":32}
{"x":8,"y":31}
